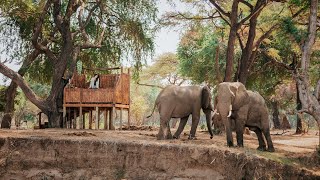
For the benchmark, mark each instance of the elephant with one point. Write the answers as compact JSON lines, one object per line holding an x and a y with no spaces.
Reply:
{"x":179,"y":102}
{"x":246,"y":109}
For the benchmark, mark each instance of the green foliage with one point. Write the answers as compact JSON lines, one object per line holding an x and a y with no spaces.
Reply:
{"x":142,"y":103}
{"x":290,"y":28}
{"x":197,"y":51}
{"x":314,"y":70}
{"x":164,"y":71}
{"x":300,"y":2}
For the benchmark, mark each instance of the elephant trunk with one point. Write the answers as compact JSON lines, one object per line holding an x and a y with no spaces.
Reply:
{"x":208,"y":119}
{"x":225,"y":114}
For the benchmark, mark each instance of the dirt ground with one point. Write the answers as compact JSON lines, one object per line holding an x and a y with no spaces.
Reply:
{"x":291,"y":149}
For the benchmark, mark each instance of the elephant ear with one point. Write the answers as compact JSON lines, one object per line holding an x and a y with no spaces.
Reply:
{"x":206,"y":97}
{"x":240,"y":95}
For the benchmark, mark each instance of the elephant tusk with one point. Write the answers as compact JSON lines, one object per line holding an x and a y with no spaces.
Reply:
{"x":215,"y":112}
{"x":229,"y":115}
{"x":230,"y":109}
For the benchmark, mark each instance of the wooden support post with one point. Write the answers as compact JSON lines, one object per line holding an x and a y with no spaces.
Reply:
{"x":96,"y":120}
{"x":74,"y":118}
{"x":111,"y":118}
{"x":105,"y":115}
{"x":64,"y":117}
{"x":40,"y":120}
{"x":84,"y":122}
{"x":69,"y":118}
{"x":80,"y":118}
{"x":90,"y":119}
{"x":121,"y":118}
{"x":128,"y":118}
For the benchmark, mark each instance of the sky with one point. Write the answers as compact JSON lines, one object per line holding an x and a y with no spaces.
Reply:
{"x":166,"y":40}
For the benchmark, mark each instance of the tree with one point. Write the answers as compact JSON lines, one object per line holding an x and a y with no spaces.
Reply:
{"x":245,"y":21}
{"x":164,"y":71}
{"x":64,"y":29}
{"x":201,"y":55}
{"x":309,"y":101}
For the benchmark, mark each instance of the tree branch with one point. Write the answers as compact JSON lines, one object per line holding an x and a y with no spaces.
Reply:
{"x":258,"y":8}
{"x":38,"y":30}
{"x":222,"y":11}
{"x":150,"y":85}
{"x":23,"y":85}
{"x":247,"y":4}
{"x":183,"y":16}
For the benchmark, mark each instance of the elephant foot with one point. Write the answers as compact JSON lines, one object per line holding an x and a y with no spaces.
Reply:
{"x":192,"y":138}
{"x":240,"y":146}
{"x":261,"y":148}
{"x":230,"y":144}
{"x":175,"y":137}
{"x":163,"y":137}
{"x":271,"y":149}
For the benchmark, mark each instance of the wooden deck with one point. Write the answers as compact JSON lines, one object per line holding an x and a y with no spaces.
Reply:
{"x":113,"y":93}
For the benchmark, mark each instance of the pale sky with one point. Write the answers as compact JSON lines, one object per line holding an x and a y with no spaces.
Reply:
{"x":166,"y":39}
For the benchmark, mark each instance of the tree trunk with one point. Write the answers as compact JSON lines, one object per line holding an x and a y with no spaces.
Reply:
{"x":298,"y":108}
{"x":275,"y":115}
{"x":310,"y":103}
{"x":11,"y":92}
{"x":247,"y":51}
{"x":231,"y":41}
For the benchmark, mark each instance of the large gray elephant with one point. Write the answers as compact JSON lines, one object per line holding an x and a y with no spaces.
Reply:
{"x":179,"y":102}
{"x":247,"y":109}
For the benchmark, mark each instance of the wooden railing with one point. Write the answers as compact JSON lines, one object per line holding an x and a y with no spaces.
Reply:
{"x":114,"y":88}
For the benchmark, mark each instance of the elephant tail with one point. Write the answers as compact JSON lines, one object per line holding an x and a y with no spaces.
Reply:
{"x":154,"y":107}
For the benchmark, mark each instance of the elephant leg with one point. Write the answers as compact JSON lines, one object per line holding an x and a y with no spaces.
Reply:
{"x":262,"y":144}
{"x":182,"y":124}
{"x":229,"y":132}
{"x":164,"y":131}
{"x":195,"y":122}
{"x":239,"y":131}
{"x":266,"y":133}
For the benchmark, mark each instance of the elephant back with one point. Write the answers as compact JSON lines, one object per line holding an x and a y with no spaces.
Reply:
{"x":256,"y":98}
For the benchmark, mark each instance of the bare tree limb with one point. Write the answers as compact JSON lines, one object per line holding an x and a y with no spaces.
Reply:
{"x":14,"y":76}
{"x":219,"y":8}
{"x":247,"y":4}
{"x":150,"y":85}
{"x":257,"y":9}
{"x":182,"y":16}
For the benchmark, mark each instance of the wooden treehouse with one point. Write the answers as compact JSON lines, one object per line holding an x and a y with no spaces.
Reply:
{"x":80,"y":102}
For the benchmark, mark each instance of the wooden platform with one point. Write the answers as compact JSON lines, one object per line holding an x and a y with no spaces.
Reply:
{"x":113,"y":93}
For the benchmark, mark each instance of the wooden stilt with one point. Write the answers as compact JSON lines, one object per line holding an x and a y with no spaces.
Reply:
{"x":40,"y":120}
{"x":111,"y":118}
{"x":74,"y":118}
{"x":96,"y":120}
{"x":84,"y":121}
{"x":105,"y":116}
{"x":69,"y":118}
{"x":64,"y":117}
{"x":128,"y":118}
{"x":121,"y":118}
{"x":80,"y":118}
{"x":90,"y":119}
